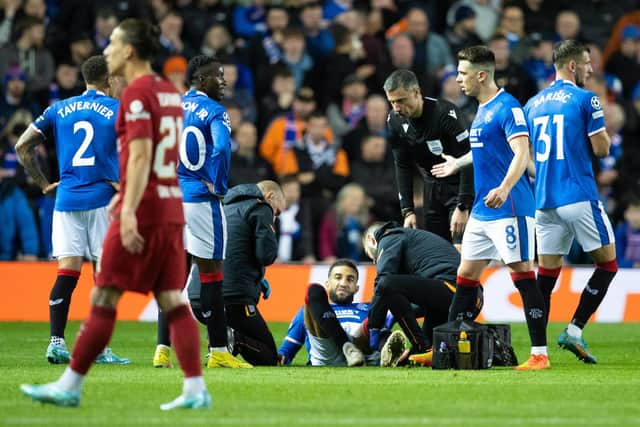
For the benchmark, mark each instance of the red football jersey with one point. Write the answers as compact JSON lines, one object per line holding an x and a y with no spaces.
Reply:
{"x":150,"y":107}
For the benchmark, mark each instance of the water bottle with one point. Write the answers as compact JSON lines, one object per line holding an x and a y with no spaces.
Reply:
{"x":444,"y":356}
{"x":464,"y":352}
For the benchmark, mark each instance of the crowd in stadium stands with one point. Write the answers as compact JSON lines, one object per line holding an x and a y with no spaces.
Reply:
{"x":305,"y":99}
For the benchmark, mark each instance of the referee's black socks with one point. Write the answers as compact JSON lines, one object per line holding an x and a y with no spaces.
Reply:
{"x":60,"y":299}
{"x":534,"y":307}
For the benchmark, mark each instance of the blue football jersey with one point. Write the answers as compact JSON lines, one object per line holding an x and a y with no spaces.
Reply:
{"x":497,"y":121}
{"x":350,"y":317}
{"x":562,"y":117}
{"x":205,"y":147}
{"x":84,"y":131}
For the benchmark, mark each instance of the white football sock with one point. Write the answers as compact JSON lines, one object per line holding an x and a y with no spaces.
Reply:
{"x":219,"y":349}
{"x":70,"y":380}
{"x":539,"y":350}
{"x":58,"y":341}
{"x":193,"y":385}
{"x":574,"y":331}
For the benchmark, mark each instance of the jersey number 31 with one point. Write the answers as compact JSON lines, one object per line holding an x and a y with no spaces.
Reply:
{"x":542,"y":152}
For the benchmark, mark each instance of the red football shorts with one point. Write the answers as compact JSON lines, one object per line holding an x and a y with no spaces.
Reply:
{"x":160,"y":267}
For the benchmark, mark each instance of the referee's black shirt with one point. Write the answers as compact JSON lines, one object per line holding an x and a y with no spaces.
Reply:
{"x":440,"y":129}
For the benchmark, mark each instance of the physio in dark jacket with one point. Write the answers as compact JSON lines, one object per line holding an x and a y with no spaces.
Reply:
{"x":250,"y":211}
{"x":413,"y":267}
{"x":251,"y":239}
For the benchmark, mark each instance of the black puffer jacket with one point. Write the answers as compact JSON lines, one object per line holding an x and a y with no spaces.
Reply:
{"x":251,"y":243}
{"x":413,"y":251}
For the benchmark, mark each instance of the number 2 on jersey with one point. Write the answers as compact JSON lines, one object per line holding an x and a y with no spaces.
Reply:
{"x":545,"y":138}
{"x":78,"y":160}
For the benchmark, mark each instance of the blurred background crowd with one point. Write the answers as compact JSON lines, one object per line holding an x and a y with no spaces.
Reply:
{"x":304,"y":93}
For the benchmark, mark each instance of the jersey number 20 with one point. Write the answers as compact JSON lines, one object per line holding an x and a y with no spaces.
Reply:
{"x":545,"y":138}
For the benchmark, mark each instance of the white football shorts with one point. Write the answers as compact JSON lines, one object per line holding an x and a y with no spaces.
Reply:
{"x":79,"y":233}
{"x":507,"y":239}
{"x":206,"y":229}
{"x":587,"y":222}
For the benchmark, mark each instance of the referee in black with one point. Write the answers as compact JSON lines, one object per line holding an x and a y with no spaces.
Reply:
{"x":421,"y":129}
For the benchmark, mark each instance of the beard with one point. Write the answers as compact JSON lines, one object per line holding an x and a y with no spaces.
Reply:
{"x":340,"y":300}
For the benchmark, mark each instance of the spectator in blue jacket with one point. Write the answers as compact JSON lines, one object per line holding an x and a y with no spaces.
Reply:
{"x":18,"y":233}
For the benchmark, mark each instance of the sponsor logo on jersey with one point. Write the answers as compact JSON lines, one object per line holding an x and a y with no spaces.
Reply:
{"x":595,"y":103}
{"x":405,"y":126}
{"x":452,"y":113}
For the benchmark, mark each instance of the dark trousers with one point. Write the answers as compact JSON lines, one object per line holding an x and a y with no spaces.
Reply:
{"x":397,"y":292}
{"x":252,"y":337}
{"x":440,"y":200}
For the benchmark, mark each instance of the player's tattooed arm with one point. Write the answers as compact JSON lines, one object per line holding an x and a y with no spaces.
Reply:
{"x":26,"y":150}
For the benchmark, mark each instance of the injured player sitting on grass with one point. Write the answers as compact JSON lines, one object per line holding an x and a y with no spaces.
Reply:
{"x":333,"y":327}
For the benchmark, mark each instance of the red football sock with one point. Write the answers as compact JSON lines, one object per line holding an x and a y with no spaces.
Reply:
{"x":93,"y":337}
{"x":186,"y":340}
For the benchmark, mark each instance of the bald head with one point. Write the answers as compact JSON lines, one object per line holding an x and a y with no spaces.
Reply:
{"x":273,"y":195}
{"x":369,"y":242}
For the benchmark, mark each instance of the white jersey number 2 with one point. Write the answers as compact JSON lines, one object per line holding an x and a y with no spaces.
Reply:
{"x":78,"y":160}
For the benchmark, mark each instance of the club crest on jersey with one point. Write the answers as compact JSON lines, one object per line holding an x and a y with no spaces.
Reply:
{"x":488,"y":116}
{"x":136,"y":111}
{"x":435,"y":146}
{"x":136,"y":106}
{"x":226,"y":120}
{"x":595,"y":103}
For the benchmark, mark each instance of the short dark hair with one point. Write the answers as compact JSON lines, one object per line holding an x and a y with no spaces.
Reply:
{"x":343,"y":262}
{"x":478,"y":55}
{"x":106,"y":12}
{"x":94,"y":70}
{"x":25,"y":23}
{"x":340,"y":33}
{"x":568,"y":50}
{"x":317,"y":114}
{"x":196,"y":64}
{"x":292,"y":32}
{"x":143,"y":36}
{"x":404,"y":79}
{"x":313,"y":4}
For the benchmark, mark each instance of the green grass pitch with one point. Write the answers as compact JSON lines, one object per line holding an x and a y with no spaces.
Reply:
{"x":569,"y":394}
